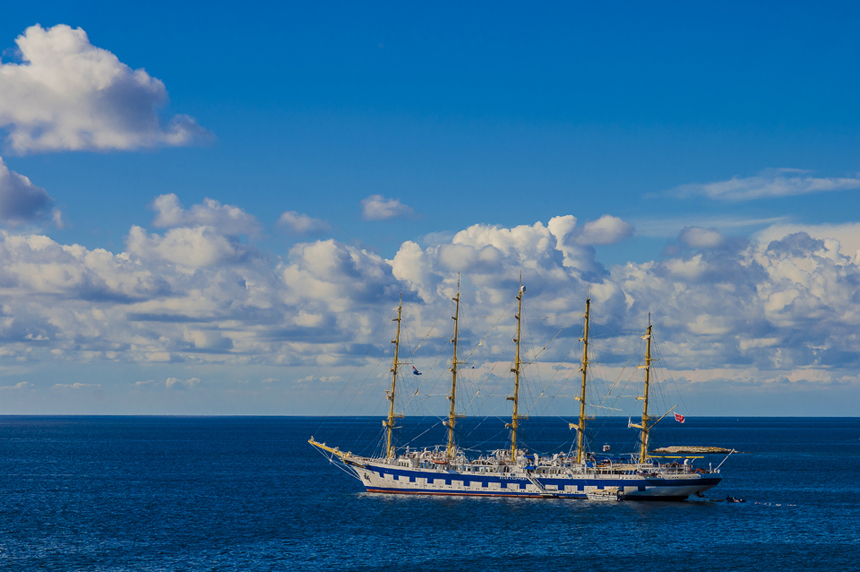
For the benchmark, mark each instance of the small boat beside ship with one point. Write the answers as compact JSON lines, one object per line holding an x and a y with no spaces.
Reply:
{"x":608,"y":494}
{"x":513,"y":472}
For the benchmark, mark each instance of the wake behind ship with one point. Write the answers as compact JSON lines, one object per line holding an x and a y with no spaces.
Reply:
{"x":513,"y":472}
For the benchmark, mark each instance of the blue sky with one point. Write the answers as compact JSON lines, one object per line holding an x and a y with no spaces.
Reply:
{"x":690,"y":137}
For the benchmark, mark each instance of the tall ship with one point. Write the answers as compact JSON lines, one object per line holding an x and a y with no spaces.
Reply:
{"x":514,"y":472}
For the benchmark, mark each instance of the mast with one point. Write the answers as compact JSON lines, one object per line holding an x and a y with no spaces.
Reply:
{"x":516,"y":369}
{"x":583,"y":369}
{"x":451,"y":415}
{"x":389,"y":449}
{"x":643,"y":455}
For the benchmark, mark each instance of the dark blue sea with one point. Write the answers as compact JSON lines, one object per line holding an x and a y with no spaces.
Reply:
{"x":249,"y":493}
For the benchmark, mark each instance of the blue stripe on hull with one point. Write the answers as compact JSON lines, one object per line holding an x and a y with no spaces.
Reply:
{"x":468,"y":479}
{"x":461,"y":493}
{"x":516,"y":486}
{"x":425,"y":492}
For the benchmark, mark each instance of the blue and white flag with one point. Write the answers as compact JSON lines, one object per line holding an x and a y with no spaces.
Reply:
{"x":415,"y":371}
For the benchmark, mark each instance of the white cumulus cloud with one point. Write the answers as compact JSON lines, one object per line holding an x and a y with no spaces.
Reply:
{"x":846,"y":234}
{"x":20,"y":200}
{"x":607,"y":229}
{"x":18,"y":386}
{"x":176,"y":383}
{"x":67,"y":94}
{"x":336,"y":276}
{"x":697,"y":237}
{"x":227,"y":219}
{"x":197,"y":246}
{"x":300,"y":224}
{"x":377,"y":207}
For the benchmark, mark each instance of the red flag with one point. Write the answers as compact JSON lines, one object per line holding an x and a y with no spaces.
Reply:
{"x":679,"y":418}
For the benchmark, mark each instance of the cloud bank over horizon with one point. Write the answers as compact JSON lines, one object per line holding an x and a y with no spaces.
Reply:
{"x":188,"y":293}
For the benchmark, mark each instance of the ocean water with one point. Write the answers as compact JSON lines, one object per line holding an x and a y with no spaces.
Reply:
{"x":249,"y":493}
